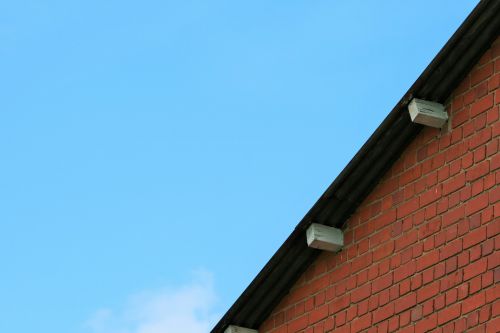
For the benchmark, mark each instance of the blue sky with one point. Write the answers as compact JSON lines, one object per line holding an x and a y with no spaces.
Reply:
{"x":155,"y":154}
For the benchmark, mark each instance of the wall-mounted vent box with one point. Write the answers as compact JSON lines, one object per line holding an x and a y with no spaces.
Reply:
{"x":427,"y":113}
{"x":323,"y":237}
{"x":237,"y":329}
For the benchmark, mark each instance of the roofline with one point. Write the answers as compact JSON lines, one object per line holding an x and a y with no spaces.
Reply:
{"x":366,"y":168}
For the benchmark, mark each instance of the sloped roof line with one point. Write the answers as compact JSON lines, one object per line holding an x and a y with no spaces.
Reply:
{"x":366,"y":168}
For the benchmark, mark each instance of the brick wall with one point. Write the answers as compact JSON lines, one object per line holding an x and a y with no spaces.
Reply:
{"x":422,"y":251}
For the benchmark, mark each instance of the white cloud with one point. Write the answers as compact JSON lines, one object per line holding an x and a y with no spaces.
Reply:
{"x":187,"y":309}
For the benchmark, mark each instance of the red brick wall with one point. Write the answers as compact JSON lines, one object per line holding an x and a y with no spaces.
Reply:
{"x":422,"y":251}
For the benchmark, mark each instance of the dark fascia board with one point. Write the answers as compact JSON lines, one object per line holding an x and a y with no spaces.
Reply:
{"x":367,"y":167}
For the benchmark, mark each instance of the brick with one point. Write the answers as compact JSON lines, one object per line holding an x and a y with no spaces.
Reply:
{"x":427,"y":307}
{"x":480,"y":138}
{"x":472,"y":319}
{"x":467,"y":161}
{"x":487,"y":247}
{"x":494,"y":195}
{"x":426,"y":324}
{"x":473,"y":302}
{"x":384,"y":219}
{"x":475,"y":269}
{"x":453,"y":215}
{"x":450,"y":249}
{"x":361,"y":232}
{"x":361,"y":293}
{"x":404,"y":287}
{"x":493,"y":229}
{"x":480,"y":123}
{"x":439,"y":270}
{"x":478,"y":171}
{"x":485,"y":313}
{"x":406,"y":240}
{"x":468,"y":129}
{"x":380,"y":237}
{"x":361,"y":323}
{"x":481,"y":90}
{"x":457,"y":135}
{"x":474,"y":221}
{"x":427,"y":260}
{"x":343,"y":329}
{"x":494,"y":82}
{"x":451,"y":233}
{"x":475,"y":285}
{"x":477,"y":187}
{"x":481,"y":73}
{"x":475,"y":237}
{"x":361,"y":262}
{"x":429,"y":196}
{"x":393,"y":324}
{"x":476,"y":204}
{"x":383,"y":313}
{"x":496,"y":308}
{"x":382,"y":283}
{"x":493,"y":114}
{"x":340,"y":273}
{"x":493,"y":261}
{"x":428,"y":291}
{"x":318,"y":314}
{"x":418,"y":249}
{"x":451,"y":296}
{"x":404,"y":271}
{"x":428,"y":276}
{"x":383,"y":251}
{"x":340,"y":318}
{"x":410,"y":175}
{"x":393,"y":292}
{"x":340,"y":303}
{"x":495,"y":162}
{"x":450,"y":281}
{"x":319,"y":283}
{"x":493,"y":325}
{"x":362,"y":278}
{"x":455,"y":151}
{"x":404,"y":320}
{"x":460,"y":117}
{"x":298,"y":324}
{"x":449,"y":313}
{"x":300,"y":308}
{"x":454,"y":184}
{"x":439,"y":302}
{"x":384,"y":297}
{"x":363,"y":307}
{"x":405,"y":302}
{"x":451,"y":265}
{"x":482,"y":105}
{"x":281,"y":329}
{"x":422,"y":154}
{"x":459,"y":325}
{"x":407,"y":208}
{"x":351,"y":251}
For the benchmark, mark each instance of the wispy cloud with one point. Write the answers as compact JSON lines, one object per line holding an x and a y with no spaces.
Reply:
{"x":187,"y":309}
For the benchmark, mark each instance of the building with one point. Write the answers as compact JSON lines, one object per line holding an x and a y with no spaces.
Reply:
{"x":419,"y":212}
